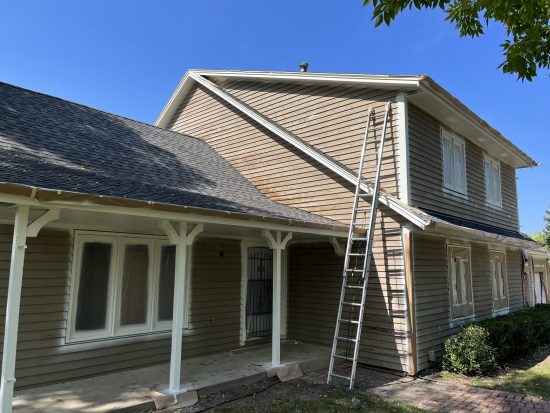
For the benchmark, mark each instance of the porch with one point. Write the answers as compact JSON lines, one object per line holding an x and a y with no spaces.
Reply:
{"x":136,"y":390}
{"x":59,"y":344}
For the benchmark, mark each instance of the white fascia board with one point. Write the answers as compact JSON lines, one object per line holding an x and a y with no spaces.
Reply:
{"x":174,"y":101}
{"x":450,"y":230}
{"x":383,"y":81}
{"x":293,"y":226}
{"x":308,"y":150}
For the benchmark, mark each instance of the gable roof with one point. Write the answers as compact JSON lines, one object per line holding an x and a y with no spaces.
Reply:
{"x":421,"y":90}
{"x":60,"y":146}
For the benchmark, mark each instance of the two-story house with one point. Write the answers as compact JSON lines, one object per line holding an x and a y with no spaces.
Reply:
{"x":223,"y":225}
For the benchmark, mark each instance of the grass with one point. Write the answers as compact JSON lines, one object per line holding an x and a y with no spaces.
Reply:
{"x":532,"y":378}
{"x":340,"y":401}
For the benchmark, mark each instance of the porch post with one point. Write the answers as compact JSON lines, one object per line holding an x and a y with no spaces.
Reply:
{"x":182,"y":239}
{"x":277,"y":243}
{"x":12,"y":308}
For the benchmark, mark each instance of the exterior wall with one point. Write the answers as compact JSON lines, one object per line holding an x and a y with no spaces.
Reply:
{"x":314,"y":282}
{"x":274,"y":166}
{"x":333,"y":120}
{"x":431,"y":285}
{"x":426,"y":177}
{"x":44,"y":357}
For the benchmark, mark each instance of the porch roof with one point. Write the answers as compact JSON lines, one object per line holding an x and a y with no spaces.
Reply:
{"x":70,"y":151}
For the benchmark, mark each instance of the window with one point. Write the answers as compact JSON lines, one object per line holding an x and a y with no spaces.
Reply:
{"x":454,"y":162}
{"x":122,"y":284}
{"x":498,"y":279}
{"x":460,"y":281}
{"x":493,"y":194}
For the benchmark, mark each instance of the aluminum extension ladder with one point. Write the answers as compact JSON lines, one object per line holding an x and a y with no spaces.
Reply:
{"x":351,"y":309}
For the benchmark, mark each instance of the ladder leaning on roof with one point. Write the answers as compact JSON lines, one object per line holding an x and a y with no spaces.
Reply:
{"x":357,"y":262}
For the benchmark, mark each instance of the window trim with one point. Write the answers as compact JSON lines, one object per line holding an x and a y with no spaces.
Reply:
{"x":471,"y":315}
{"x":113,"y":329}
{"x":492,"y":162}
{"x":504,"y":308}
{"x":451,"y":187}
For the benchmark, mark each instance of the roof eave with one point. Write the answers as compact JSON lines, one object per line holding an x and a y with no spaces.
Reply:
{"x":437,"y":92}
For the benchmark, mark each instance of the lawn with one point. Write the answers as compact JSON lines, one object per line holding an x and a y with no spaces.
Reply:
{"x":341,"y":401}
{"x":530,"y":376}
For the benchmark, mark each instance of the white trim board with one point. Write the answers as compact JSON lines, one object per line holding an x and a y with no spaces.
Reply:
{"x":318,"y":156}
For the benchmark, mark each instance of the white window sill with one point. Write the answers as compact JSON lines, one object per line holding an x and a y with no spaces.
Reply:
{"x":501,"y":311}
{"x":458,"y":322}
{"x":493,"y":206}
{"x":455,"y":193}
{"x":106,"y":341}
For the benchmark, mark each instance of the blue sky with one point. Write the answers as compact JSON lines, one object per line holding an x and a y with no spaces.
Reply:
{"x":126,"y":57}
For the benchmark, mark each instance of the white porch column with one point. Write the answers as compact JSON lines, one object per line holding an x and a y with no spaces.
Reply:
{"x":21,"y":230}
{"x":182,"y":239}
{"x":277,"y":243}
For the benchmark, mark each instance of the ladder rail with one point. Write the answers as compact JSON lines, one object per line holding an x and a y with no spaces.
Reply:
{"x":350,"y":235}
{"x":370,"y":237}
{"x":368,"y":250}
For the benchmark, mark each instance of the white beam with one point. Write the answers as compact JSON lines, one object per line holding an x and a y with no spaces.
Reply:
{"x":403,"y":147}
{"x":38,"y":223}
{"x":12,"y":308}
{"x":277,"y":243}
{"x":182,"y":239}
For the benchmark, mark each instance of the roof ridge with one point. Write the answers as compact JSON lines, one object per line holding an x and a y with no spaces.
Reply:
{"x":98,"y":110}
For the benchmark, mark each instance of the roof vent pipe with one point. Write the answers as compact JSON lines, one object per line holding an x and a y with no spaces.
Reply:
{"x":304,"y":66}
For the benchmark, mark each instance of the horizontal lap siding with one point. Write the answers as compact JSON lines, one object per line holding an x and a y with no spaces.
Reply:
{"x":431,"y":284}
{"x":315,"y":276}
{"x":426,"y":175}
{"x":44,"y":357}
{"x":330,"y":118}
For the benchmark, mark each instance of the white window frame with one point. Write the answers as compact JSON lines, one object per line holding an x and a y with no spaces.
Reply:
{"x":503,"y":309}
{"x":493,"y":198}
{"x":113,"y":329}
{"x":451,"y":184}
{"x":459,"y":318}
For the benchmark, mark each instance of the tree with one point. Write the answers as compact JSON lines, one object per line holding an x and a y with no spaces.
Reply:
{"x":543,"y":236}
{"x":527,"y":47}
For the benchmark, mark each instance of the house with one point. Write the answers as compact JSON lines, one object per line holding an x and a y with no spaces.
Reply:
{"x":226,"y":222}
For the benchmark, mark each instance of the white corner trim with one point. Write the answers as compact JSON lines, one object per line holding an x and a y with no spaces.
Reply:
{"x":306,"y":149}
{"x":403,"y":147}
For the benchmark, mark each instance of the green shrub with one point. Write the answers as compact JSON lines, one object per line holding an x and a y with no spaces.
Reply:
{"x":469,"y":352}
{"x":476,"y":348}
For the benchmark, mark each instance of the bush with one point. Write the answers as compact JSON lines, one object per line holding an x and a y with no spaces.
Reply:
{"x":469,"y":352}
{"x":476,"y":348}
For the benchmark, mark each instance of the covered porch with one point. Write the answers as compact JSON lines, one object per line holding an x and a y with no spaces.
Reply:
{"x":205,"y":338}
{"x":137,"y":390}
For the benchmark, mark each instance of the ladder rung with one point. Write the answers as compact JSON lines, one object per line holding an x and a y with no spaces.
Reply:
{"x":359,"y":287}
{"x":346,"y":339}
{"x":340,"y":376}
{"x":376,"y":128}
{"x":353,"y":304}
{"x":359,"y":239}
{"x":337,"y":356}
{"x":354,"y":270}
{"x":346,"y":320}
{"x":357,"y":254}
{"x":366,"y":195}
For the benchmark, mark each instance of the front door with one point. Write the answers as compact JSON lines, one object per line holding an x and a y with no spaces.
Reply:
{"x":259,"y":296}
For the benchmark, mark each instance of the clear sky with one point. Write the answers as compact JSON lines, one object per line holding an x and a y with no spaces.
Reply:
{"x":127,"y":56}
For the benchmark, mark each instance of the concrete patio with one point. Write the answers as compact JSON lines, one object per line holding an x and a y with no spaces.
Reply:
{"x":131,"y":390}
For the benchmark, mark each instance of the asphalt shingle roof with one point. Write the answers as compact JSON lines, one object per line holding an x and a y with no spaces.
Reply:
{"x":55,"y":144}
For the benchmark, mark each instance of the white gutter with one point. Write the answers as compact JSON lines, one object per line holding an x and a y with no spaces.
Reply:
{"x":307,"y":149}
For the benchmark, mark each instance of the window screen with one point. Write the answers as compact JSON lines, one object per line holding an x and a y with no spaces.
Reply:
{"x":93,"y":287}
{"x":166,"y":282}
{"x":135,"y":285}
{"x":460,"y":281}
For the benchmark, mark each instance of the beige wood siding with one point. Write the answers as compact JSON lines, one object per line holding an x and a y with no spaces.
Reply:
{"x":332,"y":120}
{"x":314,"y":276}
{"x":426,"y":177}
{"x":431,"y":284}
{"x":44,"y":357}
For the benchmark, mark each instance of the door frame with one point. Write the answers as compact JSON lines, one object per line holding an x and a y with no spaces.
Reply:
{"x":247,"y":243}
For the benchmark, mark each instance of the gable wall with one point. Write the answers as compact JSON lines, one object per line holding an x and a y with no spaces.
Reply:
{"x":319,"y":117}
{"x":426,"y":177}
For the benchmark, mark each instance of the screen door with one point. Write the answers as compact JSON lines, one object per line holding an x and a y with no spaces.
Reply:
{"x":259,"y":295}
